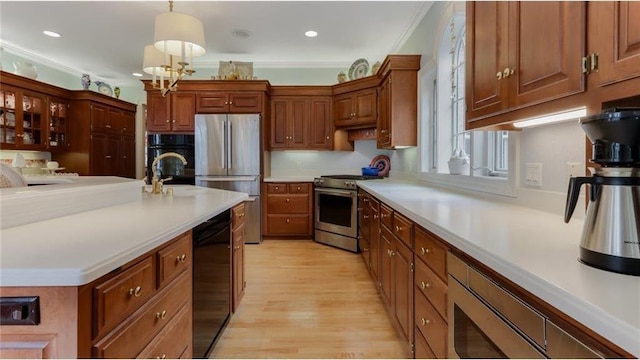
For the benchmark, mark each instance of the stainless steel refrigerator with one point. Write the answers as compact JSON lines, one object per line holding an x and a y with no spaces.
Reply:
{"x":227,"y":156}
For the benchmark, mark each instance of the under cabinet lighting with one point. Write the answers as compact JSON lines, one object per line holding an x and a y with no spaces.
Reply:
{"x":137,"y":74}
{"x":51,"y":33}
{"x":311,"y":33}
{"x":552,"y":118}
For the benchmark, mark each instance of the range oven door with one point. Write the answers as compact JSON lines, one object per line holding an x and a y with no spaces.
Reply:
{"x":336,"y":211}
{"x":475,"y":331}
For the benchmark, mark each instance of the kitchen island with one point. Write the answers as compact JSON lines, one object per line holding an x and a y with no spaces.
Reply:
{"x":93,"y":229}
{"x":535,"y":250}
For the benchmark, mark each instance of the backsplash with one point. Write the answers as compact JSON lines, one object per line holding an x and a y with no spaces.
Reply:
{"x":36,"y":160}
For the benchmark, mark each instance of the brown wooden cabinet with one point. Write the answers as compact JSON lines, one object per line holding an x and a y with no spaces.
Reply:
{"x":33,"y":115}
{"x":397,"y":122}
{"x":356,"y":109}
{"x":288,"y":210}
{"x":290,"y":119}
{"x":173,"y":113}
{"x":321,"y":124}
{"x":212,"y":102}
{"x":238,"y":231}
{"x":613,"y":36}
{"x":103,"y":133}
{"x":520,"y":54}
{"x":142,"y":309}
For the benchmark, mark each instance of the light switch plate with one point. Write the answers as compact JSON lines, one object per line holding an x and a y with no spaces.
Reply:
{"x":533,"y":174}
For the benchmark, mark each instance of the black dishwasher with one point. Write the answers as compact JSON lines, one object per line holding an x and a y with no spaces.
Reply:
{"x":211,"y":282}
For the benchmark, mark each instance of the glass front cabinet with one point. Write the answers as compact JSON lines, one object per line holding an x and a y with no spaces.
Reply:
{"x":31,"y":120}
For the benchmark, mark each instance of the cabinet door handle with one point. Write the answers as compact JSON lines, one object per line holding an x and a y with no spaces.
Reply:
{"x":136,"y":292}
{"x":424,"y":285}
{"x":425,"y":322}
{"x":499,"y":75}
{"x":383,"y":131}
{"x":164,"y":356}
{"x":288,"y":200}
{"x":327,"y":138}
{"x":365,"y":216}
{"x":287,"y":221}
{"x":168,"y":121}
{"x":230,"y":102}
{"x":181,"y":258}
{"x":108,"y":157}
{"x":174,"y":121}
{"x":424,"y":251}
{"x":375,"y":216}
{"x":398,"y":228}
{"x":505,"y":73}
{"x":161,"y":315}
{"x":391,"y":253}
{"x":298,"y":188}
{"x":226,"y":103}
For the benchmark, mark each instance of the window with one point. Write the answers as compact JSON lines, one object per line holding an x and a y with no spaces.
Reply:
{"x":488,"y":151}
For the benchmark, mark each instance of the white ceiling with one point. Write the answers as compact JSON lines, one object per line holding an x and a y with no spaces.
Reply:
{"x":106,"y":38}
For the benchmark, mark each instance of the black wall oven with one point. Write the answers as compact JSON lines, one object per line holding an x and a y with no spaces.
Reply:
{"x":183,"y":144}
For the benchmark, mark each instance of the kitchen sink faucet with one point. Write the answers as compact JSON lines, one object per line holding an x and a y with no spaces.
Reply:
{"x":156,"y":183}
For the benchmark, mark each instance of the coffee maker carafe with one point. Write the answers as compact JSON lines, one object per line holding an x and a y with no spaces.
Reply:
{"x":611,"y":232}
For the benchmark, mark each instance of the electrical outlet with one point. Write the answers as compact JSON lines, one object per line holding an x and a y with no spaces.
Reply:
{"x":533,"y":174}
{"x":574,"y":169}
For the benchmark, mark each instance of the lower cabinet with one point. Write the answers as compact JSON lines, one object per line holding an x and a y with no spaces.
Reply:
{"x":408,"y":264}
{"x":142,"y":309}
{"x":238,"y":231}
{"x":288,"y":210}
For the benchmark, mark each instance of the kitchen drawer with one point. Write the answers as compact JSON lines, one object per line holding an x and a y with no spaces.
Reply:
{"x":422,"y":349}
{"x":288,"y":224}
{"x":276,"y":188}
{"x":385,"y":216}
{"x":237,"y":215}
{"x":174,"y":259}
{"x":431,"y":325}
{"x":432,"y":251}
{"x":403,"y":229}
{"x":432,"y":287}
{"x":173,"y":340}
{"x":287,"y":204}
{"x":121,"y":295}
{"x":299,"y":188}
{"x":128,"y":340}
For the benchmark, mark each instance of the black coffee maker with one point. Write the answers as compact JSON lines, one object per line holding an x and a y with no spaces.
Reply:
{"x":611,"y":231}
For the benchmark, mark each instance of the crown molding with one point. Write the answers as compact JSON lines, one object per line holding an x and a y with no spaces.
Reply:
{"x":281,"y":65}
{"x":18,"y":51}
{"x":411,"y":27}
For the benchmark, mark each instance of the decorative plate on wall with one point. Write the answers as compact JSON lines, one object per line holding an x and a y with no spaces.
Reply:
{"x":383,"y":164}
{"x":359,"y":69}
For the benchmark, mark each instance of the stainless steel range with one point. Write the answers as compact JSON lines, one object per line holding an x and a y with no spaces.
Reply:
{"x":336,"y":210}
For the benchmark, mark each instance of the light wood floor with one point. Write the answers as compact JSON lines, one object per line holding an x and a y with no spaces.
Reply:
{"x":307,"y":300}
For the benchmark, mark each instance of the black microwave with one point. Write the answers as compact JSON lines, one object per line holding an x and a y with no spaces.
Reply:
{"x":183,"y":144}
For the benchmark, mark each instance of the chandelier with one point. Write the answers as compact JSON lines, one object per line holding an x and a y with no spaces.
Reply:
{"x":177,"y":39}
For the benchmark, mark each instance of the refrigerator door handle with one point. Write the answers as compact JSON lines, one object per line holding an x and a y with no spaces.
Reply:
{"x":229,"y":145}
{"x":223,"y":150}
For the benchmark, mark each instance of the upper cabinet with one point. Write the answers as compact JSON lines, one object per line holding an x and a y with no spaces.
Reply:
{"x":173,"y":113}
{"x":614,"y":38}
{"x":228,"y":102}
{"x":321,"y":126}
{"x":520,"y":54}
{"x":290,"y":122}
{"x":355,"y":109}
{"x":397,"y":122}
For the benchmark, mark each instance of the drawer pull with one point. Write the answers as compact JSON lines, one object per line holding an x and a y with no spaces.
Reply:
{"x":424,"y":285}
{"x":398,"y":228}
{"x":181,"y":258}
{"x":287,"y":221}
{"x":365,"y":216}
{"x":382,"y":216}
{"x":164,"y":356}
{"x":136,"y":292}
{"x":375,"y":216}
{"x":298,"y":188}
{"x":277,"y":188}
{"x":161,"y":315}
{"x":424,"y":251}
{"x":288,"y":200}
{"x":425,"y":322}
{"x":392,"y":253}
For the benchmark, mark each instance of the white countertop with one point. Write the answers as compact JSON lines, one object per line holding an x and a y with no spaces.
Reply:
{"x":75,"y":249}
{"x":534,"y":249}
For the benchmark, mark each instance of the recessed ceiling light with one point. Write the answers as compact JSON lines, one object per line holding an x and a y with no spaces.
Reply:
{"x":51,"y":33}
{"x":137,"y":74}
{"x":311,"y":33}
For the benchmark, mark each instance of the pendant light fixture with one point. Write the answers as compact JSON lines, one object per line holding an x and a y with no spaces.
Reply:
{"x":177,"y":39}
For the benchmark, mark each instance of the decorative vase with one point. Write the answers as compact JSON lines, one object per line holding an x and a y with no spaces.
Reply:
{"x":86,"y":81}
{"x":342,"y":77}
{"x":116,"y":92}
{"x":375,"y":68}
{"x":459,"y":163}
